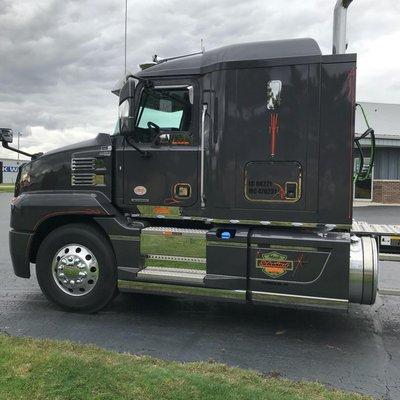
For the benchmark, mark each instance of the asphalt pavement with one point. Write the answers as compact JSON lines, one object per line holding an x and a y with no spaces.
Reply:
{"x":358,"y":350}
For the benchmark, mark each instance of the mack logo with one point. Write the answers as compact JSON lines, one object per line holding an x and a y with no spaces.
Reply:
{"x":273,"y":264}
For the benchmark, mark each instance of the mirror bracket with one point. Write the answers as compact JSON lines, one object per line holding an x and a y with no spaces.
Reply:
{"x":6,"y":137}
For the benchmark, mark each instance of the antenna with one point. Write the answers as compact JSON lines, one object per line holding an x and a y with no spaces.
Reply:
{"x":126,"y":30}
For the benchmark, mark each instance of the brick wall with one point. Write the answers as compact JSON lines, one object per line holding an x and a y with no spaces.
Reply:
{"x":386,"y":191}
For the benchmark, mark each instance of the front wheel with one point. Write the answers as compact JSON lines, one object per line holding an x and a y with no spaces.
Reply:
{"x":76,"y":268}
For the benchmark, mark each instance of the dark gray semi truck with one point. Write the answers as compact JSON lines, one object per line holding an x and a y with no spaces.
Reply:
{"x":230,"y":176}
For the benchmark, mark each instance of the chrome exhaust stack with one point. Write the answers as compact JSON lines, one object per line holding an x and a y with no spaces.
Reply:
{"x":339,"y":26}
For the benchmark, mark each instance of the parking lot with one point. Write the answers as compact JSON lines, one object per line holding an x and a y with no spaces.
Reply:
{"x":358,"y":350}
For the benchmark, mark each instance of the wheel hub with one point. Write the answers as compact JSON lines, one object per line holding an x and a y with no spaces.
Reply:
{"x":75,"y":269}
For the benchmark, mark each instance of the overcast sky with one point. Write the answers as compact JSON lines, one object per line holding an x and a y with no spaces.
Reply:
{"x":60,"y":58}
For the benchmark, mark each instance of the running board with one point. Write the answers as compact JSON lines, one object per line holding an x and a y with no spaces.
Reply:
{"x":171,"y":275}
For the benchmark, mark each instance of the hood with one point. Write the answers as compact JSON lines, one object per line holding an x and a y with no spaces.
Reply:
{"x":81,"y":166}
{"x":102,"y":139}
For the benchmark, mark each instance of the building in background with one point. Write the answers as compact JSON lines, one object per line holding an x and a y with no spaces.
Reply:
{"x":384,"y":185}
{"x":10,"y":169}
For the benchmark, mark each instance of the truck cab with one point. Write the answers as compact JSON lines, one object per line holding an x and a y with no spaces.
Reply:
{"x":230,"y":176}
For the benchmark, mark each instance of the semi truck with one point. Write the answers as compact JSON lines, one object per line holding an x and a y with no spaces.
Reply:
{"x":230,"y":176}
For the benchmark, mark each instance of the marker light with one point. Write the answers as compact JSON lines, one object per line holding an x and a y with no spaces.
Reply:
{"x":225,"y":235}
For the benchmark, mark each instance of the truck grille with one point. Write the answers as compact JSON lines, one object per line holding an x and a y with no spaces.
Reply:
{"x":83,"y":171}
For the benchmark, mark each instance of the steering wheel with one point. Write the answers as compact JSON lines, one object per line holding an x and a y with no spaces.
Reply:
{"x":155,"y":130}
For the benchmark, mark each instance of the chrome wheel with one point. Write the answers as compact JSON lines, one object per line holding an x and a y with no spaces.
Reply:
{"x":75,"y":270}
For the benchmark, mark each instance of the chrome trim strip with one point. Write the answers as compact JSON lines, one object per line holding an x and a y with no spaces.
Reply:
{"x":203,"y":118}
{"x":304,"y":301}
{"x":263,"y":297}
{"x":162,"y":288}
{"x":125,"y":238}
{"x":246,"y":221}
{"x":283,"y":247}
{"x":227,"y":243}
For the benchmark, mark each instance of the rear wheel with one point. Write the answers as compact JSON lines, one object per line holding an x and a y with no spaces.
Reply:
{"x":76,"y":268}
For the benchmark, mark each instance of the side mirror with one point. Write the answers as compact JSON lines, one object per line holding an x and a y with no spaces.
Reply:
{"x":6,"y":135}
{"x":126,"y":107}
{"x":127,"y":90}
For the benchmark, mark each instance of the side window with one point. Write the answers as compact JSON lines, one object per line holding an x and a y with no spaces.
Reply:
{"x":170,"y":110}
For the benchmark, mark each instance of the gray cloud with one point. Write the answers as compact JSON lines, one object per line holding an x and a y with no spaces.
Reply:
{"x":59,"y":59}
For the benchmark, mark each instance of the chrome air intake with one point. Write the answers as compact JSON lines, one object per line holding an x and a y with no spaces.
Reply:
{"x":363,"y":280}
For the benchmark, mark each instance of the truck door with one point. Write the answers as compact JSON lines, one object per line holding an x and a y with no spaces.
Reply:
{"x":162,"y":176}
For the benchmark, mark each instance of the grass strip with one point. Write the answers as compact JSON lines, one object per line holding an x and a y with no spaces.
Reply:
{"x":4,"y":188}
{"x":43,"y":369}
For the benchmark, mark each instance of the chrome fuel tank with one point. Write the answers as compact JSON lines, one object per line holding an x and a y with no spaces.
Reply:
{"x":364,"y":259}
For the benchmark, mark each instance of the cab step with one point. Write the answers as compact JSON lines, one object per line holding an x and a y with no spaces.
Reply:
{"x":171,"y":275}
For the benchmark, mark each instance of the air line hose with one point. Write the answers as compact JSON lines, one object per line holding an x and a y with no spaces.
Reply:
{"x":360,"y":175}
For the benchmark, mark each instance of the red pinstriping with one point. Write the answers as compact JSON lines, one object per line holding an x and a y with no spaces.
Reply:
{"x":273,"y":130}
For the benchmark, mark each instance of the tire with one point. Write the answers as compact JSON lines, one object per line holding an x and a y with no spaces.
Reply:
{"x":65,"y":252}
